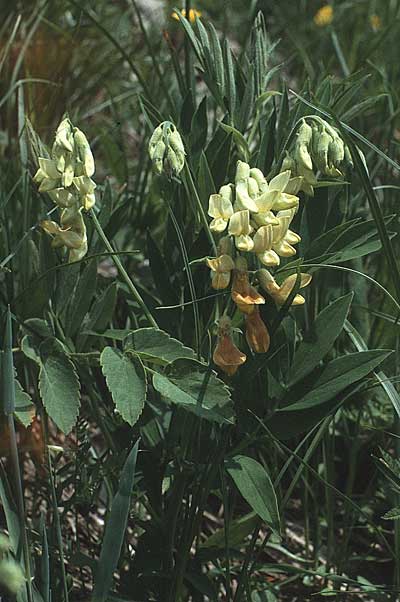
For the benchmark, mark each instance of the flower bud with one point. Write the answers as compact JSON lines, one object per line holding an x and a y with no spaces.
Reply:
{"x":64,"y":137}
{"x":322,"y":147}
{"x":336,"y":151}
{"x":166,"y":150}
{"x":84,"y":152}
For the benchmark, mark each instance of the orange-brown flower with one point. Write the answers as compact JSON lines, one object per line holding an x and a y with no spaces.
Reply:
{"x":257,"y":334}
{"x":244,"y":295}
{"x":226,"y":355}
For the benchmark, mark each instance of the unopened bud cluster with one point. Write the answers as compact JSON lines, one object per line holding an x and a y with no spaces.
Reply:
{"x":256,"y":215}
{"x":166,"y":150}
{"x":317,"y":147}
{"x":66,"y":177}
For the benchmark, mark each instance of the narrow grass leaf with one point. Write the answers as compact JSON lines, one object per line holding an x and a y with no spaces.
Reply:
{"x":320,"y":339}
{"x":115,"y":529}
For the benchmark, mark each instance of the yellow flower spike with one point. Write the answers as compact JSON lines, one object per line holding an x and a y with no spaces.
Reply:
{"x":220,"y":209}
{"x":257,"y":334}
{"x":221,"y":268}
{"x":226,"y":355}
{"x":324,"y":16}
{"x":193,"y":14}
{"x":239,"y":227}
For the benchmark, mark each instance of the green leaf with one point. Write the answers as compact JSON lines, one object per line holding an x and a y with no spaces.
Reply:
{"x":58,"y":385}
{"x":115,"y":529}
{"x":239,"y":529}
{"x":316,"y":343}
{"x":393,"y":514}
{"x":255,"y":485}
{"x":323,"y":398}
{"x":156,"y":346}
{"x":24,"y":408}
{"x":126,"y":380}
{"x":239,"y":139}
{"x":196,"y":388}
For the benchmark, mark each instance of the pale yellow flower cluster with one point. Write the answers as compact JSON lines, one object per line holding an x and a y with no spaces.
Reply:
{"x":66,"y":177}
{"x":257,"y":214}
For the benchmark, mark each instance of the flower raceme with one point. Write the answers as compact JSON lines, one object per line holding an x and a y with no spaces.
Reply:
{"x":66,"y":178}
{"x":257,"y":216}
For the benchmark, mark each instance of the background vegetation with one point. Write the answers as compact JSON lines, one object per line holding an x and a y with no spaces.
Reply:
{"x":284,"y":487}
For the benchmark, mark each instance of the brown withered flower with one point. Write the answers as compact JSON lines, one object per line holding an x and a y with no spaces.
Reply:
{"x":244,"y":295}
{"x":257,"y":334}
{"x":226,"y":355}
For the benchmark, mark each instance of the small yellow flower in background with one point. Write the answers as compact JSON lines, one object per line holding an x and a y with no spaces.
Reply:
{"x":193,"y":14}
{"x":376,"y":22}
{"x":324,"y":16}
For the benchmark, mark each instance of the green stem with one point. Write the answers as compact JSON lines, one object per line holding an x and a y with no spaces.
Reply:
{"x":189,"y":184}
{"x":122,"y":271}
{"x":20,"y":504}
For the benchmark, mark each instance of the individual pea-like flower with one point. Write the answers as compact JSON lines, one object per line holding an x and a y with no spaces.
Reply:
{"x":257,"y":334}
{"x":263,"y":246}
{"x":274,"y":195}
{"x":71,"y":233}
{"x":280,"y":293}
{"x":47,"y":176}
{"x":221,"y":268}
{"x":245,"y":296}
{"x":166,"y":150}
{"x":85,"y":187}
{"x":226,"y":355}
{"x":220,"y":208}
{"x":283,"y":238}
{"x":246,"y":189}
{"x":239,"y":227}
{"x":84,"y":153}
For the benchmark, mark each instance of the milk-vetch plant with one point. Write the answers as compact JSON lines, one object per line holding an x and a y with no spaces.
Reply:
{"x":202,"y":417}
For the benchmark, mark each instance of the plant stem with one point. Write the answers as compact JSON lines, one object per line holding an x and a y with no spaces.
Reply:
{"x":189,"y":184}
{"x":20,"y":504}
{"x":122,"y":271}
